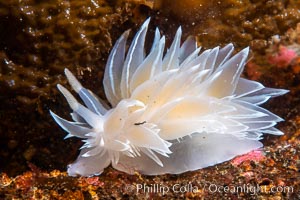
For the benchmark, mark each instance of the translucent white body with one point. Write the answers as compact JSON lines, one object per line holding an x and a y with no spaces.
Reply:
{"x":171,"y":113}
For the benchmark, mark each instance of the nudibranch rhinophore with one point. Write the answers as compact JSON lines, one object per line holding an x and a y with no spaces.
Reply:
{"x":170,"y":112}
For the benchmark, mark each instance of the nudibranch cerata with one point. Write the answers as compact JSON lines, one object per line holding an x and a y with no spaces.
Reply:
{"x":170,"y":112}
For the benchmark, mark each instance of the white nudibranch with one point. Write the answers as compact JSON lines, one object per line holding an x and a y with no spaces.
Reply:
{"x":171,"y":112}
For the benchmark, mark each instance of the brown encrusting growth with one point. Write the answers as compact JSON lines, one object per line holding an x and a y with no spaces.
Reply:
{"x":38,"y":39}
{"x":220,"y":22}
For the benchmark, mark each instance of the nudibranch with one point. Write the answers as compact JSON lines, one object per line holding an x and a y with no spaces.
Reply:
{"x":170,"y":112}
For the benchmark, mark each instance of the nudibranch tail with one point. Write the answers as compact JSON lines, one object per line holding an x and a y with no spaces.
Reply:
{"x":170,"y":112}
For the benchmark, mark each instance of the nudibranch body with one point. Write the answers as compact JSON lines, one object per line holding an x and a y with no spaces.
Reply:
{"x":171,"y":112}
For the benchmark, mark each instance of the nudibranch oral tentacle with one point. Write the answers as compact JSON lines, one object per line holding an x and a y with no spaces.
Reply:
{"x":171,"y":113}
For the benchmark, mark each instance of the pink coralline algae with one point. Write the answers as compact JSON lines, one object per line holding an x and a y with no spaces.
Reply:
{"x":256,"y":155}
{"x":283,"y":58}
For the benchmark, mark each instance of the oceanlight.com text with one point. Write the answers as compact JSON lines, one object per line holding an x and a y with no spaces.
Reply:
{"x":208,"y":187}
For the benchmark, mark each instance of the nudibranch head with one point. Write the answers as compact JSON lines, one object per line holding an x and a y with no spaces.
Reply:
{"x":170,"y":112}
